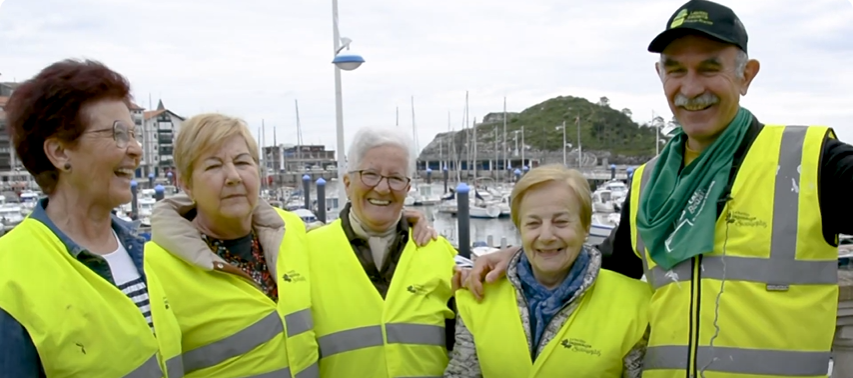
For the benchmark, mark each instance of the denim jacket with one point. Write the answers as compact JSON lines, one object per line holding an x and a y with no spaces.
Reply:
{"x":18,"y":355}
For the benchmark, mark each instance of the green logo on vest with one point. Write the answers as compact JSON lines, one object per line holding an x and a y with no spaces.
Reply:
{"x":293,"y":276}
{"x":580,"y":346}
{"x":416,"y":289}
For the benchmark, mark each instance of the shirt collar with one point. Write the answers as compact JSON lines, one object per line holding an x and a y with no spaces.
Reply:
{"x":122,"y":228}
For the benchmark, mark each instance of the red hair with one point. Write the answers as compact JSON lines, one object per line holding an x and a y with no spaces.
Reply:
{"x":50,"y":105}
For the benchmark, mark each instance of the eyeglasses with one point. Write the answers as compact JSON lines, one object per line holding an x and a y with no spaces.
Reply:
{"x":122,"y":134}
{"x":373,"y":179}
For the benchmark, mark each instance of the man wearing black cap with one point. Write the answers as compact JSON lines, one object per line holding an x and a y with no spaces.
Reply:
{"x":735,"y":224}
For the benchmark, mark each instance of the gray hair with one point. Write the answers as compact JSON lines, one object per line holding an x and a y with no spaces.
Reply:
{"x":368,"y":138}
{"x":741,"y":59}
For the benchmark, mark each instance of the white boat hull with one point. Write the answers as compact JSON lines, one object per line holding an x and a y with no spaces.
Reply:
{"x":488,"y":212}
{"x":597,"y":233}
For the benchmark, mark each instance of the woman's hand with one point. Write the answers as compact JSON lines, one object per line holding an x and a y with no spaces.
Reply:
{"x":460,"y":274}
{"x":423,"y":231}
{"x":488,"y":268}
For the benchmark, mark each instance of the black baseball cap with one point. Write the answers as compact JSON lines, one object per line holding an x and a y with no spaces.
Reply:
{"x":705,"y":18}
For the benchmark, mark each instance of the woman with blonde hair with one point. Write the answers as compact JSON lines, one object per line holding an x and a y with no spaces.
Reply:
{"x":236,"y":267}
{"x":223,"y":252}
{"x":557,"y":313}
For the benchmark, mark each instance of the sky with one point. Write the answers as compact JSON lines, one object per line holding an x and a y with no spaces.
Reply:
{"x":254,"y":58}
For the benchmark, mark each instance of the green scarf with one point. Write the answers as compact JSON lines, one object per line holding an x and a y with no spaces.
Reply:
{"x":678,"y":210}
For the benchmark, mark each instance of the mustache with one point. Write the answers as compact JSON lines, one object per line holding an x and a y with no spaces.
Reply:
{"x":703,"y":100}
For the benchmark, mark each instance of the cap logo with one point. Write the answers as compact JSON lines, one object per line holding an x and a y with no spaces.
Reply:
{"x":679,"y":19}
{"x":693,"y":17}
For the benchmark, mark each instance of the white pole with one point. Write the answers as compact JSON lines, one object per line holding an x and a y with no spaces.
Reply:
{"x":522,"y":148}
{"x":580,"y":148}
{"x":506,"y":157}
{"x":339,"y":109}
{"x":564,"y":143}
{"x":657,"y":134}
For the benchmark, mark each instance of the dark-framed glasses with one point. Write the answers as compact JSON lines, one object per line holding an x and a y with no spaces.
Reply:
{"x":122,"y":134}
{"x":372,"y":179}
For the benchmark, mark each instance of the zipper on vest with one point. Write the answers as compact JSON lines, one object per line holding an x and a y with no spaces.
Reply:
{"x":563,"y":307}
{"x":529,"y":331}
{"x":534,"y":348}
{"x":695,"y":310}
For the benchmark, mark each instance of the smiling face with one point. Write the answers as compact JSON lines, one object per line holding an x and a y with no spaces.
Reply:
{"x":703,"y":85}
{"x":101,"y":168}
{"x":552,"y":233}
{"x":225,"y":182}
{"x":379,"y":206}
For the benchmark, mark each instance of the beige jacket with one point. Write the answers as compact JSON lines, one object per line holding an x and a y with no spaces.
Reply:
{"x":174,"y":233}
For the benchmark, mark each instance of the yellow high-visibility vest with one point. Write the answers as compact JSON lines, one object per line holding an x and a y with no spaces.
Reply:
{"x":231,"y":328}
{"x":361,"y":335}
{"x":81,"y":324}
{"x":593,"y":342}
{"x":767,"y":295}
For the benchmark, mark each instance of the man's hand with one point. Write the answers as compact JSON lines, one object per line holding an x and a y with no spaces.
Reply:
{"x":423,"y":231}
{"x":488,"y":268}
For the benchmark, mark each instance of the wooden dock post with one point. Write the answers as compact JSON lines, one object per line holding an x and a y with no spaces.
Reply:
{"x":842,"y":345}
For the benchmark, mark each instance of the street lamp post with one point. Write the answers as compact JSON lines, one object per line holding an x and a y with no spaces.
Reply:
{"x":564,"y":142}
{"x":346,"y":61}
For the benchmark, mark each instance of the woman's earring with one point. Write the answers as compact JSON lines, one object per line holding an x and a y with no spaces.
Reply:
{"x":67,"y":167}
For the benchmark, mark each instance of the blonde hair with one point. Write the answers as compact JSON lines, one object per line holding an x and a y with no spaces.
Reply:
{"x":205,"y":132}
{"x":546,"y":174}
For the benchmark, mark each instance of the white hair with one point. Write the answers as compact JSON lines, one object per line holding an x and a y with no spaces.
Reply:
{"x":368,"y":138}
{"x":741,"y":59}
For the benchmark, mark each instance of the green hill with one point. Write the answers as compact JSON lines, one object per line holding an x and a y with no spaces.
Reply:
{"x":602,"y":127}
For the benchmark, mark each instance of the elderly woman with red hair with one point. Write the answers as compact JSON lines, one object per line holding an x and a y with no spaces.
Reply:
{"x":74,"y":296}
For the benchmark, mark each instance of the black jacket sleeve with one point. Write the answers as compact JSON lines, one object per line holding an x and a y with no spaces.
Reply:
{"x":450,"y":325}
{"x":836,"y":189}
{"x":617,"y":253}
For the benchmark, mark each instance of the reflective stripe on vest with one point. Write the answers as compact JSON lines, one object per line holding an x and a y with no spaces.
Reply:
{"x":149,"y":369}
{"x":244,"y":341}
{"x":739,"y":360}
{"x":365,"y":337}
{"x":776,"y":272}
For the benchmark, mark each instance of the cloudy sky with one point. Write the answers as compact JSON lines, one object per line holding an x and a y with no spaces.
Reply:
{"x":253,"y":58}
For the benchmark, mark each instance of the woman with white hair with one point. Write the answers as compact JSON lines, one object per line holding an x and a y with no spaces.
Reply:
{"x":382,"y":304}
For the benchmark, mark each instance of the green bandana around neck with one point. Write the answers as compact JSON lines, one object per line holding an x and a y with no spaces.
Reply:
{"x":678,"y":207}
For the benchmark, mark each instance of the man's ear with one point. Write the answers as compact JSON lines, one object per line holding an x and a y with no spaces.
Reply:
{"x":749,"y":74}
{"x":658,"y":71}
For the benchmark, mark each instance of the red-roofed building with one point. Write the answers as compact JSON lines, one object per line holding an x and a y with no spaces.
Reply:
{"x":160,"y":126}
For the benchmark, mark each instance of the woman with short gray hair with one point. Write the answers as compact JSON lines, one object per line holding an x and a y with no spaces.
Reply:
{"x":384,"y":304}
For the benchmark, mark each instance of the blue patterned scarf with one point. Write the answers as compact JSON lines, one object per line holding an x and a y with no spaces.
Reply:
{"x":544,"y":303}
